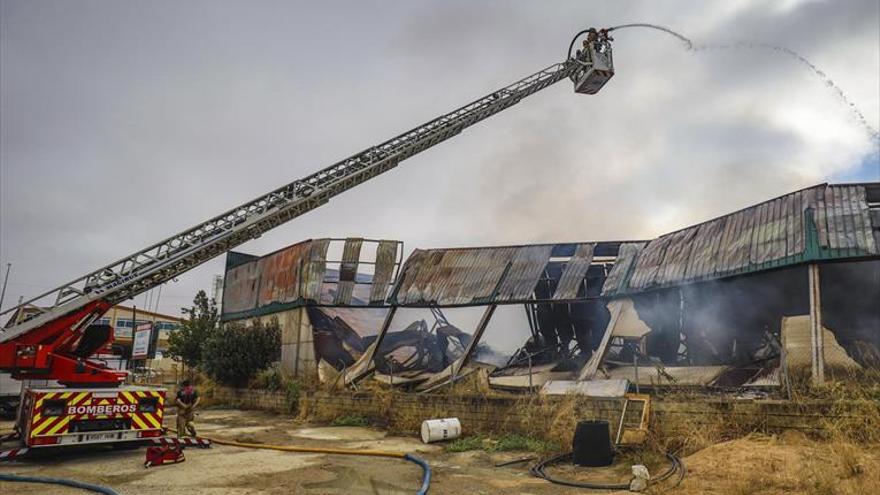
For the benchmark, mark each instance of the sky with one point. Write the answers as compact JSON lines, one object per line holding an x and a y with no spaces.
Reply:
{"x":122,"y":123}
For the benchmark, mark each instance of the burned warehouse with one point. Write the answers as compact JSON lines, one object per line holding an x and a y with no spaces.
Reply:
{"x":784,"y":290}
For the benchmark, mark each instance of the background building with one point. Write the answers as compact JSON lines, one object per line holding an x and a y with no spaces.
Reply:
{"x":121,"y":318}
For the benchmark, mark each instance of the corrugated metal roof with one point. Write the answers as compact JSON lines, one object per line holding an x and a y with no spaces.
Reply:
{"x":464,"y":276}
{"x":525,"y":269}
{"x":313,"y":275}
{"x":351,"y":254}
{"x":626,"y":259}
{"x":575,"y":271}
{"x":453,"y":276}
{"x":819,"y":223}
{"x":386,"y":256}
{"x":280,"y":274}
{"x":298,"y":275}
{"x":241,"y":286}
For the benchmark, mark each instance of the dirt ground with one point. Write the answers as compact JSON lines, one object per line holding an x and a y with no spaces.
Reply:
{"x":789,"y":463}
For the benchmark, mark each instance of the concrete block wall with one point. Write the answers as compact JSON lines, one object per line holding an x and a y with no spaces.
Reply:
{"x":264,"y":400}
{"x":554,"y":416}
{"x":297,"y":342}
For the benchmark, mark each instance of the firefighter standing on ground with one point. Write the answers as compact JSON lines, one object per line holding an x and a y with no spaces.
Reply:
{"x":187,"y":400}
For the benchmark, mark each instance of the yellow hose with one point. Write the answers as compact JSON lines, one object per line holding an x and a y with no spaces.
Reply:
{"x":313,"y":450}
{"x":426,"y":470}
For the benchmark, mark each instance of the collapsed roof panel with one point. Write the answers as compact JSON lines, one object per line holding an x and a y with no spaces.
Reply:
{"x":626,"y":260}
{"x":525,"y":269}
{"x":313,"y":275}
{"x":386,"y":261}
{"x":823,"y":222}
{"x":575,"y":271}
{"x":467,"y":276}
{"x":351,"y":254}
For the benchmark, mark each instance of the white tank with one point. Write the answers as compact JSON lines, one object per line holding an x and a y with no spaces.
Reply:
{"x":437,"y":430}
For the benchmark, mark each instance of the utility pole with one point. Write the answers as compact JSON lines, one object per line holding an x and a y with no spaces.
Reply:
{"x":5,"y":281}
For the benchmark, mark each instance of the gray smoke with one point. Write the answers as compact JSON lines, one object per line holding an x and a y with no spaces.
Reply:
{"x":691,"y":46}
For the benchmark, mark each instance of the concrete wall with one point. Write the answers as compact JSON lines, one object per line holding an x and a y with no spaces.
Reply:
{"x":556,"y":416}
{"x":297,"y":342}
{"x":264,"y":400}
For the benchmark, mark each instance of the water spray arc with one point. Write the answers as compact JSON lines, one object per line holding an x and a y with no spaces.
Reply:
{"x":691,"y":46}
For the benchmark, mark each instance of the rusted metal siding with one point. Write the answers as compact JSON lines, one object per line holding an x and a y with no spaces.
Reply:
{"x":298,"y":275}
{"x":574,"y":273}
{"x":316,"y":267}
{"x":525,"y":270}
{"x":819,"y":223}
{"x":626,"y":259}
{"x":281,"y":274}
{"x":456,"y":277}
{"x":351,"y":254}
{"x":386,"y":256}
{"x":844,"y":220}
{"x":241,"y":287}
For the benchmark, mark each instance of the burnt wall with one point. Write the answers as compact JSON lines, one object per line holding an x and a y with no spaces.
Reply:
{"x":724,"y":322}
{"x":851,"y":307}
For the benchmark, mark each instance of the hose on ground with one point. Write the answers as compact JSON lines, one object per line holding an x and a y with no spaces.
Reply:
{"x":538,"y":470}
{"x":426,"y":469}
{"x":515,"y":461}
{"x":57,"y":481}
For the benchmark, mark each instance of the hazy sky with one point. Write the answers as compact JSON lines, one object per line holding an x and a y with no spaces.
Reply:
{"x":125,"y":122}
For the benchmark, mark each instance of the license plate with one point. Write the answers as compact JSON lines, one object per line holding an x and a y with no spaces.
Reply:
{"x":97,"y":437}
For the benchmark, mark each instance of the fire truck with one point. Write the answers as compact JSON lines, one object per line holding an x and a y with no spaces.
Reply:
{"x":57,"y":417}
{"x":58,"y":339}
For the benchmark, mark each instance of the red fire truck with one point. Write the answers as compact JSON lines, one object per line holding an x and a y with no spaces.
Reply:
{"x":79,"y":416}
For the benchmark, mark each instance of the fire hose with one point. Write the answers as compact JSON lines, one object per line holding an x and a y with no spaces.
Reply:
{"x":538,"y":470}
{"x":426,"y":469}
{"x":57,"y":481}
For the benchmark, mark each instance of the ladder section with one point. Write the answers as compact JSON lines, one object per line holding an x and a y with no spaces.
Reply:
{"x":141,"y":271}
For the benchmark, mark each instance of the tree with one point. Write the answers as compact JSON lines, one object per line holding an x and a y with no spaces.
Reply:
{"x":187,"y":342}
{"x":234,"y":353}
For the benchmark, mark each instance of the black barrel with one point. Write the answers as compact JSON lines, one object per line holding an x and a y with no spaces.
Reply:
{"x":592,"y":444}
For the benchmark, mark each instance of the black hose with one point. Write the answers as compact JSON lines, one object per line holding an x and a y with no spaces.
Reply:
{"x":571,"y":45}
{"x":515,"y":461}
{"x":538,"y":471}
{"x":57,"y":481}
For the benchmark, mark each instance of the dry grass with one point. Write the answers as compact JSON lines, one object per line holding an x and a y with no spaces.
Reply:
{"x":854,"y":398}
{"x":705,"y":430}
{"x":510,"y":442}
{"x":790,"y":463}
{"x":752,"y":483}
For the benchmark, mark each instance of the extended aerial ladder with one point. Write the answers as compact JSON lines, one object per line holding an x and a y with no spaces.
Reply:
{"x":57,"y":339}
